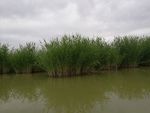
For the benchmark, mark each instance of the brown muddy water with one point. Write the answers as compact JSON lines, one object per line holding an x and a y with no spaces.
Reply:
{"x":125,"y":91}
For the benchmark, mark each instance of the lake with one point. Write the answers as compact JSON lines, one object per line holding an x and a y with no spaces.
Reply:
{"x":124,"y":91}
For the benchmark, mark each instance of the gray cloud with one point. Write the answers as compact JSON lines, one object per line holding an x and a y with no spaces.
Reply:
{"x":30,"y":20}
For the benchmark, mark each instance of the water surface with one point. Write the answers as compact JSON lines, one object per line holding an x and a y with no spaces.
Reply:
{"x":126,"y":91}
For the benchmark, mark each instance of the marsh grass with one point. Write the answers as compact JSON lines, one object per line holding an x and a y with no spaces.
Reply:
{"x":76,"y":55}
{"x":24,"y":58}
{"x":129,"y":48}
{"x":145,"y":51}
{"x":68,"y":56}
{"x":4,"y":59}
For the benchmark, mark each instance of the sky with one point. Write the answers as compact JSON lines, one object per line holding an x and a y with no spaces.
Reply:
{"x":34,"y":20}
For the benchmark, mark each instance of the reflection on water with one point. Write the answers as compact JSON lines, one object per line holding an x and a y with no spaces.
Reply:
{"x":126,"y":91}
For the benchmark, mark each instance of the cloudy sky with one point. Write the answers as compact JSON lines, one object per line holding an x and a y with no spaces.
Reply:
{"x":34,"y":20}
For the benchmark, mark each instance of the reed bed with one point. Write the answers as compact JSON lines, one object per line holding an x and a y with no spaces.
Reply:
{"x":4,"y":59}
{"x":76,"y":55}
{"x":23,"y":59}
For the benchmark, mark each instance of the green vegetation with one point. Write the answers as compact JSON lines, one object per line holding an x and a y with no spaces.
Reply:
{"x":129,"y":49}
{"x":77,"y":55}
{"x":145,"y":51}
{"x":4,"y":59}
{"x":23,"y":59}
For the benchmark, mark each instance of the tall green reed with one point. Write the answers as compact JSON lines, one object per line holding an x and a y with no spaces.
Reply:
{"x":4,"y":59}
{"x":76,"y":55}
{"x":129,"y":49}
{"x":24,"y":58}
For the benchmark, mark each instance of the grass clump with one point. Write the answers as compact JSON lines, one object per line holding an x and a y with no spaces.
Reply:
{"x":129,"y":49}
{"x":145,"y":51}
{"x":68,"y":56}
{"x":4,"y":59}
{"x":23,"y":59}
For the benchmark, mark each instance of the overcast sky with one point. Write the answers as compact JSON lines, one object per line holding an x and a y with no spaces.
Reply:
{"x":34,"y":20}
